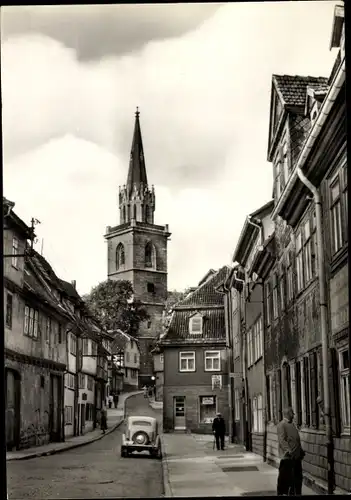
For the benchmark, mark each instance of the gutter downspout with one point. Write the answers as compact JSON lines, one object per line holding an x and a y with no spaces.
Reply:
{"x":324,"y":327}
{"x":231,"y":366}
{"x":244,"y":361}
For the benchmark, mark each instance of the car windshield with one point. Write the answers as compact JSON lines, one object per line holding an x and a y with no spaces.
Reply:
{"x":141,"y":422}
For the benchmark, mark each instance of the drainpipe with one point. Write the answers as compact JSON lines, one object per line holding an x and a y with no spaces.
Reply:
{"x":244,"y":358}
{"x":258,"y":226}
{"x":324,"y":326}
{"x":231,"y":367}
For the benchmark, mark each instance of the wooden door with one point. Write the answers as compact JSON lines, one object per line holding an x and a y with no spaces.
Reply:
{"x":12,"y":409}
{"x":179,"y":412}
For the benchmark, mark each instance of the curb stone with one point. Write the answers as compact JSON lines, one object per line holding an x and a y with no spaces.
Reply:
{"x":165,"y":474}
{"x":75,"y":445}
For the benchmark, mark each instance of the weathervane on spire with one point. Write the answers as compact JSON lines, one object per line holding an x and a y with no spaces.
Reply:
{"x":137,"y":111}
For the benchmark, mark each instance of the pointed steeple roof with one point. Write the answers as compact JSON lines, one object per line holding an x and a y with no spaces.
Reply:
{"x":137,"y":170}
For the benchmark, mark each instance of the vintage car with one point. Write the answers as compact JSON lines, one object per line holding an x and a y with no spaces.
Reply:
{"x":141,"y":435}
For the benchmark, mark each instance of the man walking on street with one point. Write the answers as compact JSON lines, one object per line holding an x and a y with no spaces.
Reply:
{"x":218,"y":428}
{"x":291,"y":455}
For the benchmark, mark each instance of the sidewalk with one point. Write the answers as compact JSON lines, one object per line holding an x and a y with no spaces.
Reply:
{"x":115,"y":417}
{"x":192,"y":468}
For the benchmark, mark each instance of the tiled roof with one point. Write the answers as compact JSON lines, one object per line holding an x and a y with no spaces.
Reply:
{"x":210,"y":303}
{"x":213,"y":327}
{"x":293,"y":88}
{"x":205,"y":294}
{"x":70,"y":290}
{"x":46,"y":270}
{"x":32,"y":283}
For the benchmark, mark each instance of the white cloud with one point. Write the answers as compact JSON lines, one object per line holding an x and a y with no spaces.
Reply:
{"x":204,"y":101}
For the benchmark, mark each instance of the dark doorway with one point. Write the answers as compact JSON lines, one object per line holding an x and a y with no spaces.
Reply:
{"x":12,"y":408}
{"x":55,"y":408}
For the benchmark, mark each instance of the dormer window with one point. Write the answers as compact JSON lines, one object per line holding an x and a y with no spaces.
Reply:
{"x":195,"y":324}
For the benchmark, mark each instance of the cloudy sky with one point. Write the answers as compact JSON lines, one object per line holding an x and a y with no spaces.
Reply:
{"x":72,"y":77}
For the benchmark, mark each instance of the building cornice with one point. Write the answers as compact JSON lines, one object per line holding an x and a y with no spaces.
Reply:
{"x":146,"y":269}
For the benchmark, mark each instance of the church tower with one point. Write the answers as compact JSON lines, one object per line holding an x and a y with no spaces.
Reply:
{"x":137,"y":250}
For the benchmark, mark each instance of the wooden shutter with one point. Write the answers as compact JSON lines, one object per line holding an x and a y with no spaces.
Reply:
{"x":334,"y":391}
{"x":314,"y":388}
{"x":298,"y":392}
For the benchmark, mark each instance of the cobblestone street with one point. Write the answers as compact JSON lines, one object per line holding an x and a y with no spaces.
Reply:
{"x":94,"y":470}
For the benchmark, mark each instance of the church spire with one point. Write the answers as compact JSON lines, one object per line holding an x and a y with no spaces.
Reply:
{"x":136,"y":199}
{"x":137,"y":170}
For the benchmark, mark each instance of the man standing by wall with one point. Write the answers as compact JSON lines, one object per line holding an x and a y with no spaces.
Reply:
{"x":291,"y":455}
{"x":218,"y":428}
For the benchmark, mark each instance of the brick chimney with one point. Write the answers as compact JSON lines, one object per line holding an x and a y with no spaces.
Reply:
{"x":74,"y":283}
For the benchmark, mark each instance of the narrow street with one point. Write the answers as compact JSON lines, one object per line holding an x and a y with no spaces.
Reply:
{"x":94,"y":470}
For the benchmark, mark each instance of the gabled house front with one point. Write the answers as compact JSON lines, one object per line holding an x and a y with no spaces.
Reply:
{"x":195,"y":359}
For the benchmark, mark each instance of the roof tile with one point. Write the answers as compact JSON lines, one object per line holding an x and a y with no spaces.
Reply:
{"x":293,"y":88}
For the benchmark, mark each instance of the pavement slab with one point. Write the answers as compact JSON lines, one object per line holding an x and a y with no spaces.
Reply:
{"x":193,"y":468}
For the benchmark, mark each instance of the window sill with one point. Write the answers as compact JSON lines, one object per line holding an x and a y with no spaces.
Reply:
{"x":187,"y":371}
{"x":213,"y":371}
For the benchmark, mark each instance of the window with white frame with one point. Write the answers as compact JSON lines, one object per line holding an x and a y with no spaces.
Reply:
{"x":195,"y":325}
{"x":31,"y":322}
{"x":212,"y":361}
{"x":93,"y":348}
{"x":48,"y":330}
{"x":275,"y":296}
{"x":73,"y":344}
{"x":237,"y":404}
{"x":307,"y":251}
{"x":299,"y":262}
{"x":344,"y":364}
{"x":338,"y":210}
{"x":81,"y":380}
{"x":68,"y":415}
{"x":259,"y":413}
{"x":85,"y":347}
{"x":335,"y":214}
{"x":187,"y":361}
{"x":15,"y":245}
{"x":90,"y":383}
{"x":254,"y":415}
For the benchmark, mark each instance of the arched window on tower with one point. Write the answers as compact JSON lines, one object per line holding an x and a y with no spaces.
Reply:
{"x":124,"y":214}
{"x":150,"y":255}
{"x":120,"y":257}
{"x":147,"y":214}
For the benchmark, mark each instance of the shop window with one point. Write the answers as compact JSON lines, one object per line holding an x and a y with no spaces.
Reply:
{"x":208,"y":409}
